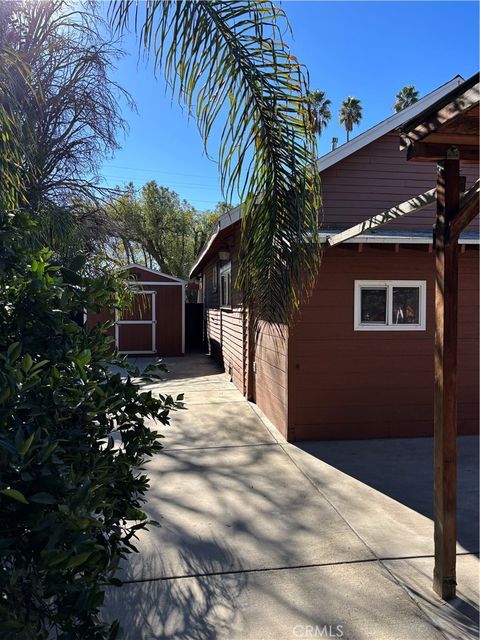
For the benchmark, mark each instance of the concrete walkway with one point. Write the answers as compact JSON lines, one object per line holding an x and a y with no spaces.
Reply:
{"x":264,"y":540}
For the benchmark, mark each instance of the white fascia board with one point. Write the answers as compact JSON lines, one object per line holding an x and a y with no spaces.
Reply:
{"x":224,"y":221}
{"x":387,"y":126}
{"x":205,"y":250}
{"x":157,"y":273}
{"x":396,"y":239}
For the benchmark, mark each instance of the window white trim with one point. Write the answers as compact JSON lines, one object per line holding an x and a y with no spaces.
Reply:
{"x":226,"y":270}
{"x":215,"y":277}
{"x":389,"y":285}
{"x":155,"y":283}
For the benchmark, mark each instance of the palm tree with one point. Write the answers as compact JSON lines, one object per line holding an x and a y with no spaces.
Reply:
{"x":350,"y":113}
{"x":405,"y":97}
{"x":228,"y":64}
{"x":320,"y":113}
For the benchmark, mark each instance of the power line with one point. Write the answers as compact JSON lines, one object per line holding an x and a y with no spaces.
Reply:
{"x":190,"y":200}
{"x":175,"y":184}
{"x":158,"y":170}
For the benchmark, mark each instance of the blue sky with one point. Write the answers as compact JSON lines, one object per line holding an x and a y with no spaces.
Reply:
{"x":365,"y":49}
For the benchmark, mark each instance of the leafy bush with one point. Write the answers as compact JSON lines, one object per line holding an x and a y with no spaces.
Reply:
{"x":73,"y":439}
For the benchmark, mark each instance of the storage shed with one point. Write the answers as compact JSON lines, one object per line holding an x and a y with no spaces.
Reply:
{"x":155,"y":323}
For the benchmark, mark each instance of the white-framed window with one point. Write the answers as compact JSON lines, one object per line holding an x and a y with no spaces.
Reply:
{"x":390,"y":305}
{"x":215,"y":277}
{"x":226,"y":285}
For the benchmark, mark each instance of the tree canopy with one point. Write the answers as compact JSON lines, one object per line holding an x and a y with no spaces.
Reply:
{"x":157,"y":228}
{"x":407,"y":96}
{"x":229,"y":64}
{"x":350,"y":114}
{"x":74,"y":435}
{"x":320,"y":114}
{"x":71,"y":125}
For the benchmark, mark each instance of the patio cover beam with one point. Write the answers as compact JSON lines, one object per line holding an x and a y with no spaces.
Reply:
{"x":418,"y":203}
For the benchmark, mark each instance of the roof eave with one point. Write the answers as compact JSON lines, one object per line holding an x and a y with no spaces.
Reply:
{"x":388,"y":125}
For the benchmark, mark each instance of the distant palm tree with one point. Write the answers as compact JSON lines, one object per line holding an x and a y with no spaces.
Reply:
{"x":405,"y":97}
{"x":350,"y":113}
{"x":320,"y":113}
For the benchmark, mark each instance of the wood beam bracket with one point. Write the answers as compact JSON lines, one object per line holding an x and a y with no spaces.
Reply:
{"x":441,"y":229}
{"x":453,"y":153}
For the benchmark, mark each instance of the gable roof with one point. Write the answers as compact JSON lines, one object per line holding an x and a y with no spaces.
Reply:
{"x":388,"y":125}
{"x":224,"y":222}
{"x":154,"y":271}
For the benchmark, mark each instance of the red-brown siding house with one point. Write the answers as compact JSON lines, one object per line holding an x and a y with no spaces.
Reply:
{"x":358,"y":363}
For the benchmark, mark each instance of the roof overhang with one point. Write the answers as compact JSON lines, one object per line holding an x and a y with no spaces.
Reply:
{"x":398,"y":121}
{"x":447,"y":128}
{"x":388,"y":125}
{"x":154,"y":271}
{"x":223,"y":229}
{"x":400,"y":237}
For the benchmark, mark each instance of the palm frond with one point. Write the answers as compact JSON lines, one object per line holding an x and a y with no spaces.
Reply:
{"x":407,"y":96}
{"x":227,"y":62}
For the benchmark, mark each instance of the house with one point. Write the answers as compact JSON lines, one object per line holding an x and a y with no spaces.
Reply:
{"x":155,"y":322}
{"x":358,"y":362}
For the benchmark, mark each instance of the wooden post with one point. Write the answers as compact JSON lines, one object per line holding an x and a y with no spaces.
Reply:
{"x":445,"y":429}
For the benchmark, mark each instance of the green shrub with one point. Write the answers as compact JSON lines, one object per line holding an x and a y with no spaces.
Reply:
{"x":70,"y":496}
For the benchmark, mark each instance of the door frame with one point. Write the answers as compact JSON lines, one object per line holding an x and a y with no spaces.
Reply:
{"x":153,"y":322}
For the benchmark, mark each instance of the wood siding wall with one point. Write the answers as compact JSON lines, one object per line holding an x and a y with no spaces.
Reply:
{"x":227,"y":339}
{"x":367,"y":384}
{"x":377,"y":178}
{"x":225,"y":327}
{"x":327,"y":381}
{"x":271,"y":376}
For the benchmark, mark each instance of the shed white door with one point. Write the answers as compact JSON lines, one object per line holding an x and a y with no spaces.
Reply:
{"x":135,"y":328}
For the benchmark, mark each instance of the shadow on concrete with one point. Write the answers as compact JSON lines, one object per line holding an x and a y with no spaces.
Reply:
{"x":223,"y":512}
{"x":457,"y":618}
{"x":246,"y":549}
{"x":196,"y":607}
{"x":403,"y":470}
{"x":188,"y":367}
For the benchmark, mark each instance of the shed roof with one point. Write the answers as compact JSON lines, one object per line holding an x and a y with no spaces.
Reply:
{"x":154,"y":272}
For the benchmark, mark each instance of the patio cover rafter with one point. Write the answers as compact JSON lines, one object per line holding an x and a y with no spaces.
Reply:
{"x":413,"y":205}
